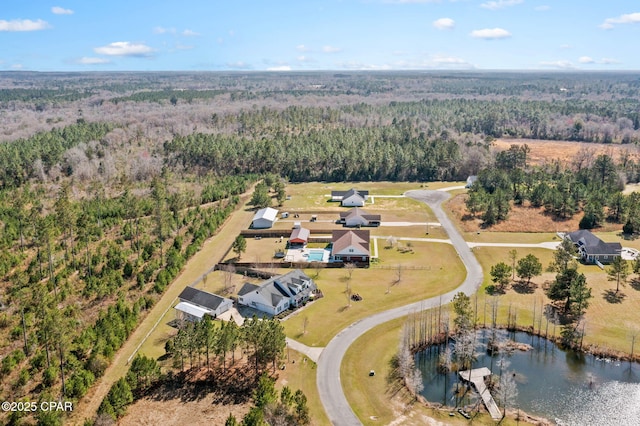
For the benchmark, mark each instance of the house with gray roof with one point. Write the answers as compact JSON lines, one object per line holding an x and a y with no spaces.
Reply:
{"x":357,"y":217}
{"x":277,"y":294}
{"x":592,"y":249}
{"x":195,"y":304}
{"x":350,"y":198}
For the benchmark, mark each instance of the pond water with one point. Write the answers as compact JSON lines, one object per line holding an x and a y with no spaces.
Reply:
{"x":563,"y":386}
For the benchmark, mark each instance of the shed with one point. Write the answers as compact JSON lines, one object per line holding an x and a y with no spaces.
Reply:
{"x":299,"y":236}
{"x":264,"y":218}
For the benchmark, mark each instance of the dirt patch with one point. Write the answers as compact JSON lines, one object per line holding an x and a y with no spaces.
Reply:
{"x":199,"y":397}
{"x":520,"y":219}
{"x":543,"y":152}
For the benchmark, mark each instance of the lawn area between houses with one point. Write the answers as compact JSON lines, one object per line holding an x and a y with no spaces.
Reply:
{"x":609,"y":325}
{"x":432,"y":269}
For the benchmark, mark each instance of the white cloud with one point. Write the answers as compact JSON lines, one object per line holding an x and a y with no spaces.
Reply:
{"x":190,"y":33}
{"x":163,"y":30}
{"x":86,"y":60}
{"x":586,"y":60}
{"x":562,"y":64}
{"x":280,"y":68}
{"x":331,"y":49}
{"x":444,"y":23}
{"x":180,"y":46}
{"x":609,"y":61}
{"x":24,"y":25}
{"x":500,"y":4}
{"x":302,"y":48}
{"x":566,"y":46}
{"x":306,"y":59}
{"x":124,"y":48}
{"x":542,"y":8}
{"x":490,"y":33}
{"x":57,"y":10}
{"x":629,"y":18}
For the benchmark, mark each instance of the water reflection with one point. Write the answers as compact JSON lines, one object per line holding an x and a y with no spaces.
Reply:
{"x":568,"y":387}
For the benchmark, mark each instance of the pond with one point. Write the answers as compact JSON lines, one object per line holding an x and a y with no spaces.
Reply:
{"x":567,"y":387}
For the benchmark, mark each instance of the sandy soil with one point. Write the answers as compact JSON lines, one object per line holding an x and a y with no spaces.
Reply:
{"x":520,"y":219}
{"x":547,"y":151}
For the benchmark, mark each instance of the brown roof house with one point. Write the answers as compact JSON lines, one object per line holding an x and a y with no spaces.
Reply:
{"x":350,"y":246}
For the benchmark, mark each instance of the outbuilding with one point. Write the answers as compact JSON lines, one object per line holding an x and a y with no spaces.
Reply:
{"x":264,"y":218}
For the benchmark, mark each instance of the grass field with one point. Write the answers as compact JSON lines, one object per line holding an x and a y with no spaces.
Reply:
{"x":610,"y":323}
{"x":374,"y":399}
{"x":440,"y":272}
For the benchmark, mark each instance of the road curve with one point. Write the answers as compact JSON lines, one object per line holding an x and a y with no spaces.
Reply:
{"x":328,"y":375}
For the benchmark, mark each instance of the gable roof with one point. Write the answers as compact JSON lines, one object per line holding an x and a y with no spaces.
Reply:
{"x":201,"y":298}
{"x":275,"y":289}
{"x":343,"y":239}
{"x":266,"y":213}
{"x":593,"y":245}
{"x":349,"y":193}
{"x":300,"y":234}
{"x":358,"y":212}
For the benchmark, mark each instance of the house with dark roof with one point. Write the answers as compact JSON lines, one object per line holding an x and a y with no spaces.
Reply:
{"x":350,"y":198}
{"x":277,"y":294}
{"x":592,"y":249}
{"x":357,"y":217}
{"x":195,"y":304}
{"x":350,"y":246}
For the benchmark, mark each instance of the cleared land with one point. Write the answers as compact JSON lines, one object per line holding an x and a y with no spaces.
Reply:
{"x":543,"y":152}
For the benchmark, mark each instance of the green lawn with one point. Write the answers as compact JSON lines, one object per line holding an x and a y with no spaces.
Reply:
{"x":440,"y":270}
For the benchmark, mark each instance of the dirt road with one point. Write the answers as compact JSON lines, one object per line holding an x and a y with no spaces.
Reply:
{"x":212,"y":252}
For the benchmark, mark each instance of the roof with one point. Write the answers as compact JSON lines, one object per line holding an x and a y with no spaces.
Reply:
{"x":592,"y":244}
{"x":358,"y":212}
{"x":201,"y":298}
{"x":275,"y":289}
{"x":350,"y":192}
{"x":190,"y":309}
{"x":301,"y":234}
{"x":342,"y":239}
{"x":266,"y":213}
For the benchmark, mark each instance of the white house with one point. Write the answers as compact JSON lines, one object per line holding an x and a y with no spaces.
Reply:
{"x":264,"y":218}
{"x":358,"y":217}
{"x":350,"y":198}
{"x":195,"y":304}
{"x":278,"y":294}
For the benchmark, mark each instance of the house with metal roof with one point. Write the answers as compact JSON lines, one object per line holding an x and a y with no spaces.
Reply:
{"x":264,"y":218}
{"x":195,"y":304}
{"x":299,"y":236}
{"x":350,"y":198}
{"x":357,"y":217}
{"x":277,"y":294}
{"x":592,"y":249}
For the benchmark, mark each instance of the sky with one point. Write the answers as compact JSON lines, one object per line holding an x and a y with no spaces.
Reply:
{"x":305,"y":35}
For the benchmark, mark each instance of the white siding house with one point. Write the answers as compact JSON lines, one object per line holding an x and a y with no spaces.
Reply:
{"x":264,"y":218}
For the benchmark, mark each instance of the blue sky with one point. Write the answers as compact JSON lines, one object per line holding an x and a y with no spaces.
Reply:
{"x":101,"y":35}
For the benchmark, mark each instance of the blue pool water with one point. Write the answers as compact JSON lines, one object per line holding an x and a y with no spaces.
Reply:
{"x":315,"y":255}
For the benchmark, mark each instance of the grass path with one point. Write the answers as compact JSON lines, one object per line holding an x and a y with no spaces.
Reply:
{"x":212,"y":252}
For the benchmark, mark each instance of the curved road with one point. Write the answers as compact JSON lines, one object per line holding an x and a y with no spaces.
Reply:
{"x":328,"y":375}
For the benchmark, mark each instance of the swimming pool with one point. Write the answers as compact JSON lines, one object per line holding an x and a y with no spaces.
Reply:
{"x":315,"y":255}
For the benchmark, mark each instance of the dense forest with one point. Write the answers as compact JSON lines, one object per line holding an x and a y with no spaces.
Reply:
{"x":109,"y":182}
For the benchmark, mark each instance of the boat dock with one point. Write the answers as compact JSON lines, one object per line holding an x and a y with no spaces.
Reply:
{"x":476,"y":376}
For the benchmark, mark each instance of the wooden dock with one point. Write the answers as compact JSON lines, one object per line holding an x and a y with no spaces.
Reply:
{"x":476,"y":376}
